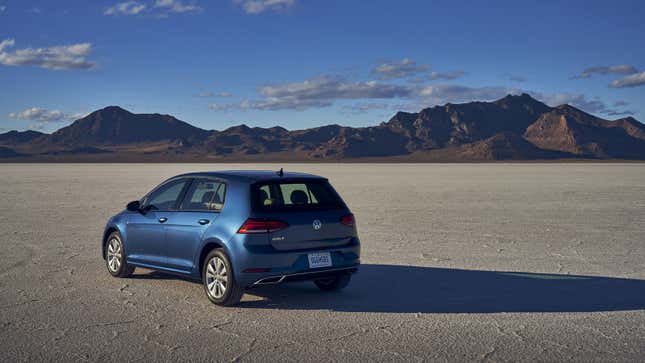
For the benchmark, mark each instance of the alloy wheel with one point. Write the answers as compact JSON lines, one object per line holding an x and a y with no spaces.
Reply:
{"x":216,"y":277}
{"x":114,"y":255}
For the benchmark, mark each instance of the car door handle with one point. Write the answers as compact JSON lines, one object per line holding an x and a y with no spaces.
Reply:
{"x":163,"y":219}
{"x":203,"y":221}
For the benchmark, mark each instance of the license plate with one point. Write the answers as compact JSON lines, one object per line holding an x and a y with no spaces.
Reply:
{"x":320,"y":259}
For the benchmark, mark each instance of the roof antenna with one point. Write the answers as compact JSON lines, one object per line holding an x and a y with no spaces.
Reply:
{"x":281,"y":173}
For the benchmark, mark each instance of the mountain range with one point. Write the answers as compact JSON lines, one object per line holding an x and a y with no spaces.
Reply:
{"x":516,"y":127}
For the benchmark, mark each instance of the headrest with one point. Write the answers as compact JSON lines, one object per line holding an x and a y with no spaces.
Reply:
{"x":299,"y":197}
{"x":216,"y":199}
{"x":263,"y":196}
{"x":206,"y":198}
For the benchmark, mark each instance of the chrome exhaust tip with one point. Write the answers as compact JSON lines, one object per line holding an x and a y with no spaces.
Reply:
{"x":305,"y":275}
{"x":270,"y":280}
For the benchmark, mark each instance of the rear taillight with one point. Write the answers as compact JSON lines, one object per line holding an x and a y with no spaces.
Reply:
{"x":348,"y":220}
{"x":261,"y":226}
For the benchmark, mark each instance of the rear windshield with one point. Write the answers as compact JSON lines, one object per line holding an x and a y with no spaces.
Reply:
{"x":295,"y":195}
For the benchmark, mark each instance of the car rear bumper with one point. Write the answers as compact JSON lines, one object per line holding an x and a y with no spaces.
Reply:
{"x":263,"y":266}
{"x":304,"y":275}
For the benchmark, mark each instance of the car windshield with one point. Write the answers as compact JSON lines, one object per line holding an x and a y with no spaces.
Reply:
{"x":295,"y":195}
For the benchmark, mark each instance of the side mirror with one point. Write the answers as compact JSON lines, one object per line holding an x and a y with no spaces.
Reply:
{"x":133,"y":206}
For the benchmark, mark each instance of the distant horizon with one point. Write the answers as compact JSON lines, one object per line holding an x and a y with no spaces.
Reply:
{"x":303,"y":64}
{"x":515,"y":127}
{"x":330,"y":124}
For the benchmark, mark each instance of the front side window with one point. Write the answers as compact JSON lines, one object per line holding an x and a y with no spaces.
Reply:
{"x":296,"y":196}
{"x":166,"y":196}
{"x":207,"y":195}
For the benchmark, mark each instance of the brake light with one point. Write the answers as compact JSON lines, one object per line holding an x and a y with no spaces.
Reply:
{"x":348,"y":220}
{"x":261,"y":226}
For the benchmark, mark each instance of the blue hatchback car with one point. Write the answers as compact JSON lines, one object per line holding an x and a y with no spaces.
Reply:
{"x":236,"y":230}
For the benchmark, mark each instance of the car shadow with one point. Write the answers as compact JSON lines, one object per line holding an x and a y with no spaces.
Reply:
{"x":159,"y":275}
{"x":412,"y":289}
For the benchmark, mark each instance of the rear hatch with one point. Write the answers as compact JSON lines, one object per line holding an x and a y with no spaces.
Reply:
{"x":314,"y":214}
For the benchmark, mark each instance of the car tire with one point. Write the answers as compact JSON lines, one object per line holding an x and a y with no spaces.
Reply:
{"x":115,"y":258}
{"x":218,"y":279}
{"x":333,"y":283}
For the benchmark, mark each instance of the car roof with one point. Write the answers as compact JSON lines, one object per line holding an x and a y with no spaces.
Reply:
{"x":251,"y":176}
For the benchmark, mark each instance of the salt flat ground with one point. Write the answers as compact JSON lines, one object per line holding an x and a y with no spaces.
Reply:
{"x":517,"y":262}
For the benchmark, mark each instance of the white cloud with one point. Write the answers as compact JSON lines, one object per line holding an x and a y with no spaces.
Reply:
{"x":284,"y":103}
{"x":43,"y":116}
{"x":405,"y":68}
{"x":324,"y":91}
{"x":514,"y":77}
{"x":2,"y":8}
{"x":446,"y":93}
{"x":573,"y":99}
{"x":364,"y":107}
{"x":620,"y":113}
{"x":321,"y":92}
{"x":621,"y":103}
{"x":36,"y":126}
{"x":223,"y":106}
{"x":125,"y":8}
{"x":260,"y":6}
{"x":158,"y":8}
{"x":58,"y":57}
{"x":176,"y":6}
{"x":327,"y":87}
{"x":410,"y":106}
{"x":617,"y":69}
{"x":7,"y":43}
{"x":211,"y":94}
{"x":634,"y":80}
{"x":594,"y":105}
{"x":446,"y":75}
{"x":205,"y":94}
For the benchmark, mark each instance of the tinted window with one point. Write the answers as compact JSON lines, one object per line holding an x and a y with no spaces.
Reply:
{"x":204,"y":194}
{"x":165,"y":197}
{"x":296,"y":196}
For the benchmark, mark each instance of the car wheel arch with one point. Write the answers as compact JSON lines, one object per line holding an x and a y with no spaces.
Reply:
{"x":106,"y":234}
{"x":206,"y":248}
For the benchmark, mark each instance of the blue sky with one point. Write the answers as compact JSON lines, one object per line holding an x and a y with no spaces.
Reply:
{"x":304,"y":63}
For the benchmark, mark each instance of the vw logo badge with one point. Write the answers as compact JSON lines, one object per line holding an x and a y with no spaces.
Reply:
{"x":317,"y":224}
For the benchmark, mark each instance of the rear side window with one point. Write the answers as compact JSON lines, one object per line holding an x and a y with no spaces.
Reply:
{"x":295,"y":195}
{"x":206,"y":195}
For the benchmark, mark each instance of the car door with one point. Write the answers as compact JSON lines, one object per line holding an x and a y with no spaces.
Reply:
{"x":146,"y":242}
{"x":197,"y":212}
